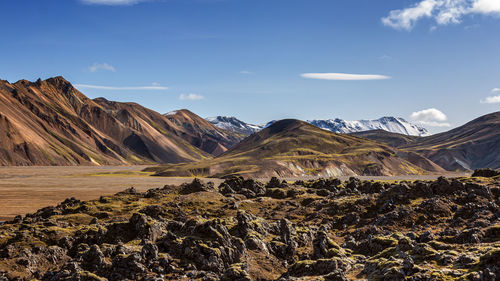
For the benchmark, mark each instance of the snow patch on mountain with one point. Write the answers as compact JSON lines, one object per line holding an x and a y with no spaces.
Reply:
{"x":390,"y":124}
{"x":235,"y":125}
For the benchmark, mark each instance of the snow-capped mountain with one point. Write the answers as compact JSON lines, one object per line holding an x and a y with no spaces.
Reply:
{"x":390,"y":124}
{"x":235,"y":125}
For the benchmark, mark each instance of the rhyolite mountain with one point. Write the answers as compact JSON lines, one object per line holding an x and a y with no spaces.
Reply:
{"x":49,"y":122}
{"x":472,"y":146}
{"x":290,"y":148}
{"x":201,"y":133}
{"x":392,"y":139}
{"x":235,"y":125}
{"x":389,"y":124}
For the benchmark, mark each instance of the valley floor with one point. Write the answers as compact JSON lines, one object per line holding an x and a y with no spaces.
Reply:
{"x":27,"y":189}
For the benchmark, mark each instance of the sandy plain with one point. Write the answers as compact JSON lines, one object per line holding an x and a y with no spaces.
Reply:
{"x":26,"y":189}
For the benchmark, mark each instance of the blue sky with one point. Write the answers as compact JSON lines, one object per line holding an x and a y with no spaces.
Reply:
{"x":435,"y":62}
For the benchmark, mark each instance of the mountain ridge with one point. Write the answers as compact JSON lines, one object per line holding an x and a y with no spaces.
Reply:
{"x":471,"y":146}
{"x":290,"y":148}
{"x":387,"y":123}
{"x":49,"y":122}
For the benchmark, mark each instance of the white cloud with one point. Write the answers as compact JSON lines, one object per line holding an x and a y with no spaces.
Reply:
{"x":430,"y":117}
{"x":486,"y":6}
{"x":142,"y":88}
{"x":492,"y":99}
{"x":344,"y":76}
{"x":442,"y":11}
{"x":494,"y":90}
{"x":246,"y":72}
{"x":112,"y":2}
{"x":101,"y":66}
{"x":191,"y":97}
{"x":405,"y":19}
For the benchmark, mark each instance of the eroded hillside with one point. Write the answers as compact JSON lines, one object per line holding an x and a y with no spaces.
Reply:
{"x":293,"y":148}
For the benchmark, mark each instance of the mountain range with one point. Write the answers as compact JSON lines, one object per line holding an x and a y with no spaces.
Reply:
{"x":389,"y":124}
{"x":292,"y":148}
{"x":49,"y":122}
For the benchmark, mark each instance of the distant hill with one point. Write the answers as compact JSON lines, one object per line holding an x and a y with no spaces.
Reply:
{"x":471,"y":146}
{"x":389,"y":138}
{"x":235,"y":125}
{"x":201,"y":133}
{"x":296,"y":148}
{"x":389,"y":124}
{"x":51,"y":123}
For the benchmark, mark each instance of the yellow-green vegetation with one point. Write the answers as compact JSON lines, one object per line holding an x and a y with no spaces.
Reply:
{"x":313,"y":230}
{"x":295,"y":148}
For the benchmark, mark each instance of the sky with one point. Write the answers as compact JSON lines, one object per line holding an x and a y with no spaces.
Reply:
{"x":433,"y":62}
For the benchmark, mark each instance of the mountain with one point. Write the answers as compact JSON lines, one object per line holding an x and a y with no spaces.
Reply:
{"x":389,"y":138}
{"x":51,"y":123}
{"x":292,"y":148}
{"x":235,"y":125}
{"x":471,"y":146}
{"x":389,"y":124}
{"x":201,"y":133}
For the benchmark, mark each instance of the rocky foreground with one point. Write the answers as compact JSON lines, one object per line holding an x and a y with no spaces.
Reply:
{"x":448,"y":229}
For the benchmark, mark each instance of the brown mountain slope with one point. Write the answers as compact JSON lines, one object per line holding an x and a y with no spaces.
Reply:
{"x":183,"y":124}
{"x":471,"y":146}
{"x":295,"y":148}
{"x":51,"y":123}
{"x":201,"y":133}
{"x":389,"y":138}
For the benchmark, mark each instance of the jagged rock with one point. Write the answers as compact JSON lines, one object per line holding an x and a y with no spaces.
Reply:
{"x":237,"y":185}
{"x":317,"y":267}
{"x":324,"y":247}
{"x":237,"y":272}
{"x":196,"y":186}
{"x":94,"y":259}
{"x":149,"y":252}
{"x":336,"y":275}
{"x":276,"y":183}
{"x":487,"y":173}
{"x":424,"y":230}
{"x":130,"y":267}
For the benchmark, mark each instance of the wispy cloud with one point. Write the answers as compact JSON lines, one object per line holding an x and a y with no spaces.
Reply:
{"x":112,"y":2}
{"x":246,"y":72}
{"x":344,"y":76}
{"x":101,"y":66}
{"x":430,"y":117}
{"x":492,"y":99}
{"x":142,"y":88}
{"x":191,"y":97}
{"x":442,"y":11}
{"x":385,"y":57}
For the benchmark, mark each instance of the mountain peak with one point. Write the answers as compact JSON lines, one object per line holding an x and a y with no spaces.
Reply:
{"x":58,"y":82}
{"x":286,"y":125}
{"x":386,"y":123}
{"x":337,"y":125}
{"x":233,"y":124}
